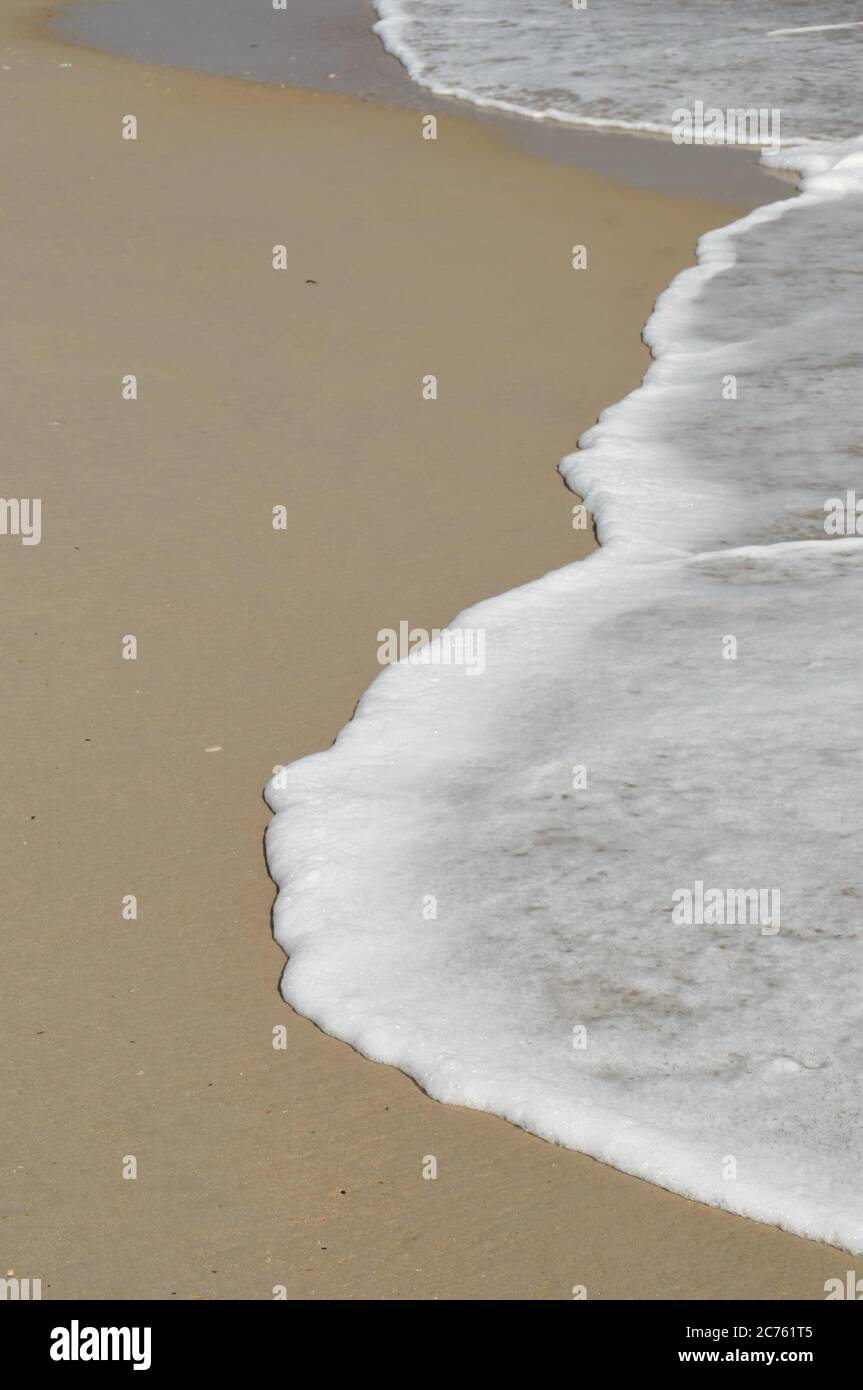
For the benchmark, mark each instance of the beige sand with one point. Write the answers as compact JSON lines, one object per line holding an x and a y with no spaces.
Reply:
{"x":153,"y":1037}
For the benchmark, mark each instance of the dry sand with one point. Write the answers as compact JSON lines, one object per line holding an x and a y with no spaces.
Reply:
{"x":153,"y":1037}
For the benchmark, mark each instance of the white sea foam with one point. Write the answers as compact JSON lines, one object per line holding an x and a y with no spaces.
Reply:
{"x":815,"y":28}
{"x":703,"y":1044}
{"x":477,"y":880}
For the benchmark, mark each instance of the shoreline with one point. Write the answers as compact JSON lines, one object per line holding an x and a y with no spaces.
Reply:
{"x":295,"y":47}
{"x":259,"y":1166}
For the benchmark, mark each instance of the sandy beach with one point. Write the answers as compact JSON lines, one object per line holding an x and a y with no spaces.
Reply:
{"x":260,"y":388}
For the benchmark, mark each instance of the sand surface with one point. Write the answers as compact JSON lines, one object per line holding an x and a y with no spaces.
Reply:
{"x":153,"y":1038}
{"x":329,"y":45}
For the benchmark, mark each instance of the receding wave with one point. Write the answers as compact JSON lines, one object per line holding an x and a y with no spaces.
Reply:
{"x":632,"y":64}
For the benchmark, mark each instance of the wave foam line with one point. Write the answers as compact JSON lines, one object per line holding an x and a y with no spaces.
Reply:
{"x":480,"y":882}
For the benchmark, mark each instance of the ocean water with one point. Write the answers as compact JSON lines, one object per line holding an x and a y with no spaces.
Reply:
{"x":632,"y":62}
{"x":486,"y":880}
